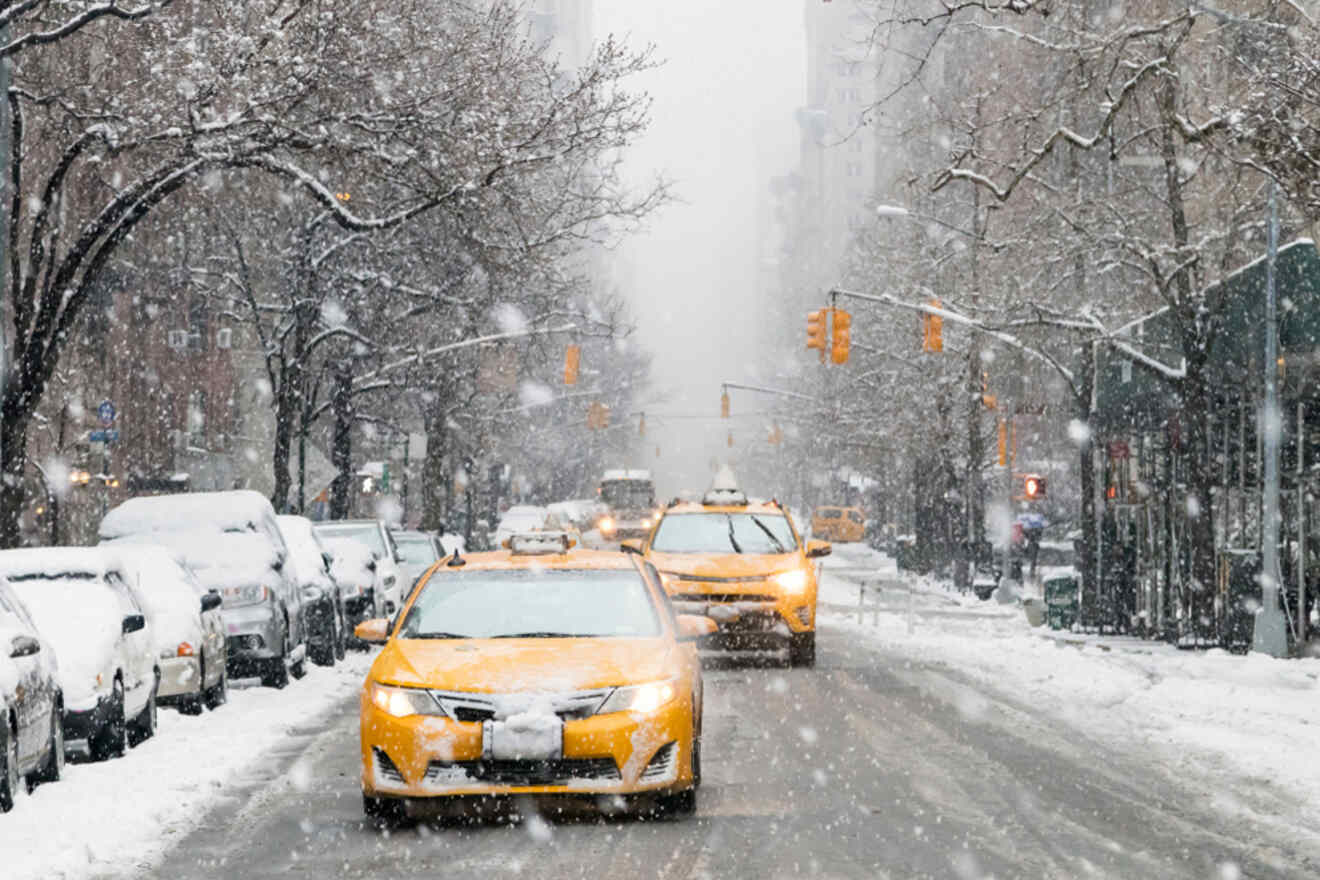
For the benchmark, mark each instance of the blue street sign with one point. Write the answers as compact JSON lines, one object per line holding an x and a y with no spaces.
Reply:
{"x":106,"y":411}
{"x":103,"y":437}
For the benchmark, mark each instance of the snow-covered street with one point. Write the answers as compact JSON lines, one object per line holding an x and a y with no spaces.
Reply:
{"x":1242,"y":728}
{"x":119,"y":817}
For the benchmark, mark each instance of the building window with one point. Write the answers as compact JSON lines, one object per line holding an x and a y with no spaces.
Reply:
{"x":196,"y":419}
{"x":199,"y":324}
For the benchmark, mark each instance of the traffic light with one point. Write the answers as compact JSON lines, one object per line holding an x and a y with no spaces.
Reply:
{"x":776,"y":436}
{"x":724,"y":405}
{"x":598,"y":417}
{"x":817,"y":331}
{"x":1033,"y":487}
{"x":932,"y":330}
{"x":572,"y":360}
{"x":842,"y":336}
{"x":641,"y":426}
{"x":730,"y":439}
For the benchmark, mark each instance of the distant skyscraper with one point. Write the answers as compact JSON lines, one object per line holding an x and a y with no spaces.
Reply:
{"x":566,"y":26}
{"x":838,"y":165}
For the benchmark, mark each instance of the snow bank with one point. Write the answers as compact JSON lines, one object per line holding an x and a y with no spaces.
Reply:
{"x":121,"y":816}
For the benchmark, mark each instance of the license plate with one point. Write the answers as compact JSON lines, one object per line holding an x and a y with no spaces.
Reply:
{"x":523,"y":738}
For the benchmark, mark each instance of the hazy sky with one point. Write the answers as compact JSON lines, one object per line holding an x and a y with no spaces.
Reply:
{"x":734,"y":73}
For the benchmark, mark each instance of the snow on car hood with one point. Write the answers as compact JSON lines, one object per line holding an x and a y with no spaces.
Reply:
{"x":83,"y":620}
{"x":522,"y":665}
{"x":724,"y":565}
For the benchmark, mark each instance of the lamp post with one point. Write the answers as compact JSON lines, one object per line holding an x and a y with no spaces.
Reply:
{"x":1270,"y":635}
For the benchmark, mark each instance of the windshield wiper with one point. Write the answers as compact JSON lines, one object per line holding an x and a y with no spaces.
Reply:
{"x":779,"y":546}
{"x":437,"y":635}
{"x":732,"y":539}
{"x":537,"y":635}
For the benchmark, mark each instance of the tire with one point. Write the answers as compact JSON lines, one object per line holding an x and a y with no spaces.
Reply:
{"x":9,"y":780}
{"x":193,"y":705}
{"x":218,"y":694}
{"x":802,"y":650}
{"x":299,"y":669}
{"x":143,"y":727}
{"x":111,"y":741}
{"x":678,"y":805}
{"x":53,"y":767}
{"x":384,"y":812}
{"x":276,"y":674}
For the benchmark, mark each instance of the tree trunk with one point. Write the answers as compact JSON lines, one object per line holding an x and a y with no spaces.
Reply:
{"x":435,"y":476}
{"x":1192,"y":429}
{"x":341,"y":448}
{"x":286,"y":410}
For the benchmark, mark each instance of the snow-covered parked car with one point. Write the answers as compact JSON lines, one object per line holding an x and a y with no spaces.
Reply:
{"x":234,"y":545}
{"x":31,"y":727}
{"x":376,"y":536}
{"x":354,"y":569}
{"x":81,"y":601}
{"x":323,"y":604}
{"x":187,"y":627}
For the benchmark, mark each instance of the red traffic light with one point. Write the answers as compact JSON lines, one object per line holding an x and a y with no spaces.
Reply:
{"x":1034,"y":487}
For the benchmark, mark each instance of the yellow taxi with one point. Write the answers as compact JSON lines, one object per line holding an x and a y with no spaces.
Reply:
{"x":841,"y":524}
{"x":743,"y":564}
{"x":535,"y":670}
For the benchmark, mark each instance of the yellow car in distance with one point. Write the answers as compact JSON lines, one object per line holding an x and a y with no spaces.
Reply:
{"x":743,"y":564}
{"x":839,"y":524}
{"x":534,"y":670}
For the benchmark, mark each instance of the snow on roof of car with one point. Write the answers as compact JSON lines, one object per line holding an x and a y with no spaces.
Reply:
{"x":220,"y":559}
{"x":52,"y":562}
{"x":239,"y":510}
{"x":626,"y":474}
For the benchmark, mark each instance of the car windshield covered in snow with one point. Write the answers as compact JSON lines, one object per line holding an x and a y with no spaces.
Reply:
{"x":724,"y":533}
{"x":628,"y":494}
{"x":508,"y":604}
{"x":368,"y":533}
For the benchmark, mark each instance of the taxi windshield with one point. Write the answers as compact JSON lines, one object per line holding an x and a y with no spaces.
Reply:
{"x":724,"y":533}
{"x":526,"y":603}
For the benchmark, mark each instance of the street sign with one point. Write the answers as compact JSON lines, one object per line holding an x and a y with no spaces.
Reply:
{"x":109,"y":436}
{"x":106,"y":412}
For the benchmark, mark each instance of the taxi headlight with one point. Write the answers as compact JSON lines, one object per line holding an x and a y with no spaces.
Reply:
{"x":793,"y":581}
{"x":640,"y":697}
{"x":401,"y":702}
{"x":606,"y":524}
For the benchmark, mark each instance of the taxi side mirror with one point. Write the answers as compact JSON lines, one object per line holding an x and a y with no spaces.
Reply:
{"x":817,"y":549}
{"x":631,"y":545}
{"x":374,"y":632}
{"x":694,"y":626}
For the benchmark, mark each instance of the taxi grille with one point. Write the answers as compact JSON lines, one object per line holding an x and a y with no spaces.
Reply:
{"x":709,"y":579}
{"x":662,"y":765}
{"x":722,"y":598}
{"x":385,"y":767}
{"x":554,"y":772}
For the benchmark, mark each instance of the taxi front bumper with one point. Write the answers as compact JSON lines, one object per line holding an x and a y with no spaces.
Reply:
{"x":622,"y":753}
{"x":741,"y":616}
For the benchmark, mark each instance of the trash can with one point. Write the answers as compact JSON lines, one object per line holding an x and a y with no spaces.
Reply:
{"x":1061,"y":600}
